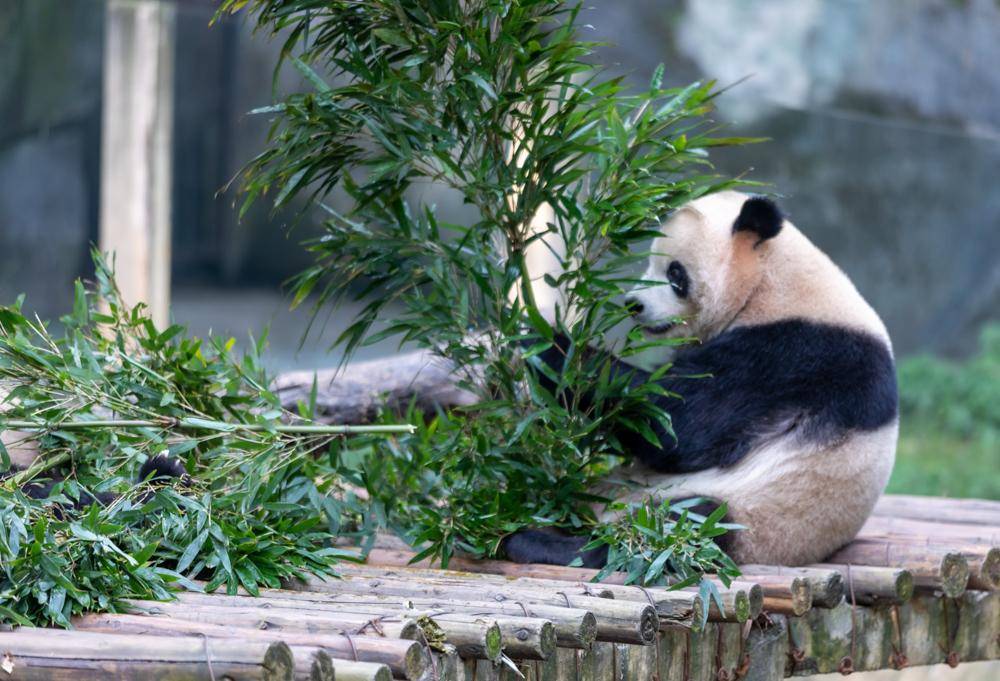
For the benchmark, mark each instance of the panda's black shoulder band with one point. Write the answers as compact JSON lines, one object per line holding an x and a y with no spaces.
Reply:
{"x":761,"y":216}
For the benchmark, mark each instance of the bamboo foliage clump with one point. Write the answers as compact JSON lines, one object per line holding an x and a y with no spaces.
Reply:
{"x":500,"y":103}
{"x":78,"y":532}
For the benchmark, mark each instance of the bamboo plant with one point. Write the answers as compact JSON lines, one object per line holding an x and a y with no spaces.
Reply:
{"x":259,"y":504}
{"x":500,"y":102}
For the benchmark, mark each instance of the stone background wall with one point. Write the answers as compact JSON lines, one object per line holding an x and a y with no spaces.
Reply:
{"x":884,"y":119}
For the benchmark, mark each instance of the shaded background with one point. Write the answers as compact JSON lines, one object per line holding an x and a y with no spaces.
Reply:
{"x":885,"y":126}
{"x":885,"y":121}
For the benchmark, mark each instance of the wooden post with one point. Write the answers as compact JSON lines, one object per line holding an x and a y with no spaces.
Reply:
{"x":136,"y":153}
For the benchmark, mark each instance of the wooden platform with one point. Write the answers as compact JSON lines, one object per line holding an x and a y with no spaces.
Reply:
{"x":919,"y":586}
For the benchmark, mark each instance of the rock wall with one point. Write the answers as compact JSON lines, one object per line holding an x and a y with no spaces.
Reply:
{"x":884,"y":119}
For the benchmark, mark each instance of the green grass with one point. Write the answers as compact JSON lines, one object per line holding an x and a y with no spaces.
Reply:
{"x":949,"y":442}
{"x":929,"y":462}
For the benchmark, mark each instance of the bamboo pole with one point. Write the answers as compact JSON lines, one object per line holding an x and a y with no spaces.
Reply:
{"x":573,"y":628}
{"x":735,"y":604}
{"x":873,"y":585}
{"x":926,"y":630}
{"x":931,"y":567}
{"x":827,"y":586}
{"x":983,"y":558}
{"x":395,"y":626}
{"x":47,"y":654}
{"x":883,"y":526}
{"x":407,"y":659}
{"x":939,"y":509}
{"x":346,"y":670}
{"x":312,"y":664}
{"x":785,"y":594}
{"x":674,"y":608}
{"x":473,"y":636}
{"x":206,"y":424}
{"x":623,"y":622}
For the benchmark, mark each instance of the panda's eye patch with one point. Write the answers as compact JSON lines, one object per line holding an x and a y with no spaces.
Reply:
{"x":678,"y":277}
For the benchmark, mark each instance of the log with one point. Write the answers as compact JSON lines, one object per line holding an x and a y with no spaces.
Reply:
{"x":573,"y":628}
{"x":883,"y":526}
{"x":755,"y":595}
{"x":346,"y":670}
{"x":873,"y":585}
{"x":735,"y":604}
{"x":357,"y":392}
{"x":827,"y":586}
{"x":785,"y":606}
{"x":283,"y":620}
{"x":931,"y":567}
{"x":939,"y":509}
{"x":46,"y":654}
{"x":473,"y":636}
{"x":785,"y":594}
{"x":825,"y":637}
{"x":312,"y":663}
{"x":407,"y":659}
{"x":674,"y":608}
{"x":623,"y":622}
{"x":984,"y":561}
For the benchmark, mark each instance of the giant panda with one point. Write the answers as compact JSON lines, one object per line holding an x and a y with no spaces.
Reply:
{"x":795,"y":427}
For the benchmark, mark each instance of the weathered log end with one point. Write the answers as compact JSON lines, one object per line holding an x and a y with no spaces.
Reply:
{"x":802,"y":597}
{"x":587,"y":632}
{"x":986,"y":571}
{"x":312,"y":663}
{"x":279,"y":663}
{"x":649,"y":625}
{"x":903,"y":585}
{"x":741,"y":606}
{"x":755,"y":599}
{"x":697,"y":614}
{"x":954,"y":573}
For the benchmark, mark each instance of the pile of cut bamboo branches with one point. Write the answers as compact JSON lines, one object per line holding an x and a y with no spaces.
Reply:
{"x":919,"y":586}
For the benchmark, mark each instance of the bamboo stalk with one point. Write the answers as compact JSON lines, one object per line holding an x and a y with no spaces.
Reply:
{"x":786,"y":594}
{"x":673,"y":608}
{"x":930,"y":566}
{"x":938,"y":509}
{"x":312,"y":664}
{"x":46,"y":654}
{"x":924,"y":631}
{"x":207,"y":424}
{"x":393,"y":626}
{"x":346,"y":670}
{"x":623,"y":622}
{"x":827,"y":586}
{"x":873,"y":585}
{"x":735,"y":604}
{"x":984,"y":559}
{"x":473,"y":636}
{"x":784,"y":606}
{"x":407,"y":659}
{"x":573,"y":628}
{"x":882,"y":526}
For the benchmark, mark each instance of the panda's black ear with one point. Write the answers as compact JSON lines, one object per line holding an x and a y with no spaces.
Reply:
{"x":761,"y":216}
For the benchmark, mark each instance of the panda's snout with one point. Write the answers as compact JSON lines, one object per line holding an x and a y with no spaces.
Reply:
{"x":634,"y":306}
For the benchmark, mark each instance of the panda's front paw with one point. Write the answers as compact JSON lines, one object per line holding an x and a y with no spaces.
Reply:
{"x":163,"y":467}
{"x":552,"y":548}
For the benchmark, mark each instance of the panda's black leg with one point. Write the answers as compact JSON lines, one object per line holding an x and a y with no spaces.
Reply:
{"x":553,"y":548}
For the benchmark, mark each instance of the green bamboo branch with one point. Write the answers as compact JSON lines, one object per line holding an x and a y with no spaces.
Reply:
{"x":207,"y":424}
